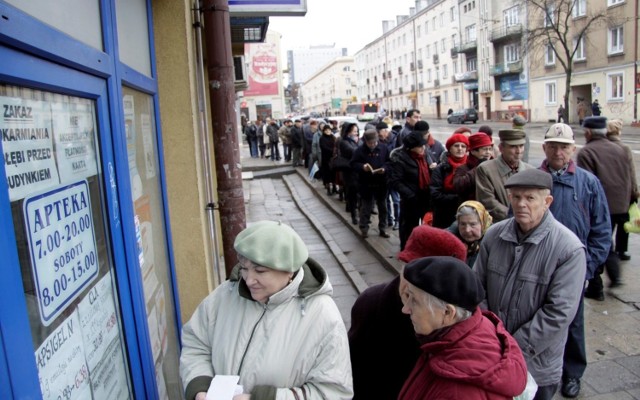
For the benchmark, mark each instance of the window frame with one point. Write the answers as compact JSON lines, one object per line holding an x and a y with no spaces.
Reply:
{"x":619,"y":88}
{"x":547,"y":53}
{"x":550,"y":93}
{"x":618,"y":48}
{"x":581,"y":54}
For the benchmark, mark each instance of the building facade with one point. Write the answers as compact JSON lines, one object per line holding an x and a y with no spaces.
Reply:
{"x":305,"y":62}
{"x":331,"y":88}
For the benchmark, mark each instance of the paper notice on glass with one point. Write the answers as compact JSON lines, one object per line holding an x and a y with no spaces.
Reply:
{"x":224,"y":387}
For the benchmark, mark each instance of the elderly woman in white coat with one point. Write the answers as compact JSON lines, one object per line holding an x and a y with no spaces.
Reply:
{"x":273,"y":323}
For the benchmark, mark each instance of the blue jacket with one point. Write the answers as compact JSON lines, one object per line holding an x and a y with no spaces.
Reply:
{"x":579,"y":203}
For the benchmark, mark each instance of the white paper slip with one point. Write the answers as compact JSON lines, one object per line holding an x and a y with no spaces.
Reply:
{"x":224,"y":387}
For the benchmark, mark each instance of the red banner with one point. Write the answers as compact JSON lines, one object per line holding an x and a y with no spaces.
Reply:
{"x":263,"y":69}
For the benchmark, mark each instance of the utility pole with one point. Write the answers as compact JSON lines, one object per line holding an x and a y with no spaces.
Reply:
{"x":223,"y":120}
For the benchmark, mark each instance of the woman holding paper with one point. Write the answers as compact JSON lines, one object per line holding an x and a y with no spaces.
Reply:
{"x":273,"y":324}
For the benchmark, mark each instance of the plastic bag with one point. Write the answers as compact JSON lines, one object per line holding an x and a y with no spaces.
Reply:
{"x":314,"y":171}
{"x":529,"y":390}
{"x":633,"y":225}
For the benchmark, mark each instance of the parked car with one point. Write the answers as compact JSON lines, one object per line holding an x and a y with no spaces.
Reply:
{"x":462,"y":116}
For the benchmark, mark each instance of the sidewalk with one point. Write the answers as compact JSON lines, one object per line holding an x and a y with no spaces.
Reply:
{"x":612,"y":327}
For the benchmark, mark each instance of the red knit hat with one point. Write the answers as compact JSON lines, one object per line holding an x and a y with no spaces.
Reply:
{"x":478,"y":140}
{"x":427,"y":241}
{"x":457,"y":138}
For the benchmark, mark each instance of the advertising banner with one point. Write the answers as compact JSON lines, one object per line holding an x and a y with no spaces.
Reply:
{"x":263,"y":69}
{"x":511,"y":88}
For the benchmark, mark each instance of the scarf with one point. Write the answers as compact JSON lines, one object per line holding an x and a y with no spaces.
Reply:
{"x":423,"y":170}
{"x":455,"y":162}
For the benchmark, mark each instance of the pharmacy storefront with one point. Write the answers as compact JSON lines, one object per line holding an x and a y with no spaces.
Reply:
{"x":88,"y":302}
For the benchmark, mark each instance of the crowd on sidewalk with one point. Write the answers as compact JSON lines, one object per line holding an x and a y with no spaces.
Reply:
{"x":499,"y":257}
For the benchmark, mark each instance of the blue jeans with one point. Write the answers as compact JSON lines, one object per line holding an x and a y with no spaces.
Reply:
{"x":253,"y":147}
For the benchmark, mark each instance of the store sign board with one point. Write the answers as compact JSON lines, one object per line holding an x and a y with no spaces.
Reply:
{"x":62,"y":246}
{"x":267,"y":8}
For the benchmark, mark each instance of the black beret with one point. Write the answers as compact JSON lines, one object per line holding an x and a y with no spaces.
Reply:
{"x":530,"y":178}
{"x":414,"y":139}
{"x":421,"y":126}
{"x":447,"y":278}
{"x":382,"y":125}
{"x":595,"y":123}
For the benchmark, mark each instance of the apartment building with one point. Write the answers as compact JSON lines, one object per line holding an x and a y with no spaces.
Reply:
{"x":331,"y":88}
{"x":604,"y":66}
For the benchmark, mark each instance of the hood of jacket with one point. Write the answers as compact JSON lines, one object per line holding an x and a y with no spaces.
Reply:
{"x":309,"y":281}
{"x":480,"y":352}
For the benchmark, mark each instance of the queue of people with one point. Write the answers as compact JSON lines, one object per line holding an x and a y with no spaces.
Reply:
{"x":501,"y":274}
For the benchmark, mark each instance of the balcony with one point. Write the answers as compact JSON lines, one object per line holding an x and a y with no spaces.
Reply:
{"x":505,"y":33}
{"x":467,"y":47}
{"x":420,"y":86}
{"x":400,"y":91}
{"x":454,"y":53}
{"x":375,"y":79}
{"x":466,"y":76}
{"x":390,"y":93}
{"x":506,"y":68}
{"x":367,"y":81}
{"x":389,"y":74}
{"x":436,"y":83}
{"x":436,"y":59}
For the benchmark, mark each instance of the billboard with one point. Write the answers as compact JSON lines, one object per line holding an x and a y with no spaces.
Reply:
{"x":262,"y":61}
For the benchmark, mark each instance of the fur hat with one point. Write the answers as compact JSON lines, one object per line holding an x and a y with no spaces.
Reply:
{"x":415,"y":139}
{"x":595,"y":123}
{"x":448,"y":279}
{"x":457,"y":138}
{"x":273,"y":245}
{"x":426,"y":241}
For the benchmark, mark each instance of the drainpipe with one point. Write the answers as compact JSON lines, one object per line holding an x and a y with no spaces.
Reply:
{"x":212,"y":239}
{"x":223,"y":120}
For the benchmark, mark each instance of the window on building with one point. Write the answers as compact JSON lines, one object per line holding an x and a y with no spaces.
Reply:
{"x":472,"y":64}
{"x":454,"y":40}
{"x":614,"y":2}
{"x":579,"y":8}
{"x":446,"y":96}
{"x":442,"y":20}
{"x":419,"y":54}
{"x":429,"y":75}
{"x":550,"y":95}
{"x":580,"y":54}
{"x":511,"y":16}
{"x":616,"y":40}
{"x":452,"y":14}
{"x":443,"y":45}
{"x":615,"y":85}
{"x":427,"y":51}
{"x":426,"y":27}
{"x":511,"y":53}
{"x":455,"y":67}
{"x":418,"y":30}
{"x":445,"y":71}
{"x":549,"y":55}
{"x":470,"y":33}
{"x":549,"y":18}
{"x":456,"y":95}
{"x":433,"y":24}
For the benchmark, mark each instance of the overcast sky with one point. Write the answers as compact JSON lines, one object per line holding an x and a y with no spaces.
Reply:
{"x":347,"y":23}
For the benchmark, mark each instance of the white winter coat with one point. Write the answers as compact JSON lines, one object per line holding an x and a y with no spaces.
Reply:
{"x":296,"y":343}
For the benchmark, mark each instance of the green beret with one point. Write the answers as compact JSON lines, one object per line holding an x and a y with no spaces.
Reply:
{"x":273,"y":245}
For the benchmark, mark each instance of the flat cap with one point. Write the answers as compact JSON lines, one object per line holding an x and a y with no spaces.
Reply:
{"x":414,"y":139}
{"x":272,"y":244}
{"x":595,"y":123}
{"x":561,"y":133}
{"x":382,"y":125}
{"x":530,"y":178}
{"x":426,"y":241}
{"x":512,"y":137}
{"x":448,"y":279}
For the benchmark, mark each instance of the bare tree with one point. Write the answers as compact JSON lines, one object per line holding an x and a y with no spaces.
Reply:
{"x":553,"y":23}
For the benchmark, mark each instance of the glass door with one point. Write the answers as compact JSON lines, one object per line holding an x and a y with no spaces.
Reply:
{"x":56,"y":188}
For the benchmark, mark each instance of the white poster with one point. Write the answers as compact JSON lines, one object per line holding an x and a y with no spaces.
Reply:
{"x":62,"y":246}
{"x":73,"y":134}
{"x":61,"y":365}
{"x":27,"y":143}
{"x":147,"y":142}
{"x":109,"y":378}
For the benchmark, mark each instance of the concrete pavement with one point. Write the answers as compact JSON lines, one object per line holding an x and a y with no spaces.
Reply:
{"x":274,"y":190}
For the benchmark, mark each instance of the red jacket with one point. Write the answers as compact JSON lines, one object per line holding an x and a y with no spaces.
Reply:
{"x":475,"y":359}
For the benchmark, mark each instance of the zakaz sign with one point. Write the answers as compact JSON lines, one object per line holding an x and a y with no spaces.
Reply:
{"x":267,"y":8}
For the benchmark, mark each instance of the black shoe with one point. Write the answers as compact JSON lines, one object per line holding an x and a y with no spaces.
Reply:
{"x":598,"y":296}
{"x":571,"y":388}
{"x":364,"y":233}
{"x":384,"y":234}
{"x":624,"y":256}
{"x":354,"y":220}
{"x":615,"y":284}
